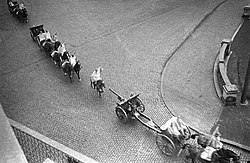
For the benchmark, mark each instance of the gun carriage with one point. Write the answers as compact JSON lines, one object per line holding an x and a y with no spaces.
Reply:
{"x":133,"y":108}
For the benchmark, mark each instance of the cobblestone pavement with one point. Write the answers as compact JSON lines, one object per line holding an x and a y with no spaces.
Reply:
{"x":132,"y":40}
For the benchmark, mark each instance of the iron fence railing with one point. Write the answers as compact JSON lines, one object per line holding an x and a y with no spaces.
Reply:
{"x":38,"y":148}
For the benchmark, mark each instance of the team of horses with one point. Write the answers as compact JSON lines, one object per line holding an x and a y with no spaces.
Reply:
{"x":18,"y":10}
{"x":61,"y":57}
{"x":69,"y":63}
{"x":219,"y":155}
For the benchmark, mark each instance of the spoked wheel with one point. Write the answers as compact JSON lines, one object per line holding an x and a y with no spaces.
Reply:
{"x":121,"y":114}
{"x":141,"y":107}
{"x":165,"y":144}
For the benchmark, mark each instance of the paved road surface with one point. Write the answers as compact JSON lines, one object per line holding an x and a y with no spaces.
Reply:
{"x":132,"y":40}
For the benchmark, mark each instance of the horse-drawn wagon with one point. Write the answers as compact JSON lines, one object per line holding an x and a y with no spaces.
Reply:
{"x":18,"y":10}
{"x":12,"y":5}
{"x":35,"y":31}
{"x":167,"y":140}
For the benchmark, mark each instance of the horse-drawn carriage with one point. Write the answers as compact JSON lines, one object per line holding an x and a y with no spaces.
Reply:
{"x":18,"y":10}
{"x":35,"y":31}
{"x":167,"y":140}
{"x":48,"y":45}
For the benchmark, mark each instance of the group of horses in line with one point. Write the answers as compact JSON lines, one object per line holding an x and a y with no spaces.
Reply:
{"x":18,"y":10}
{"x":61,"y":57}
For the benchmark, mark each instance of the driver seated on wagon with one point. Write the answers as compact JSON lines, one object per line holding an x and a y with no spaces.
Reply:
{"x":72,"y":60}
{"x":176,"y":127}
{"x":44,"y":37}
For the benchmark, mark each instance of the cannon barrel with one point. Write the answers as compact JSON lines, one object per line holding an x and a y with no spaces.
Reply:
{"x":119,"y":97}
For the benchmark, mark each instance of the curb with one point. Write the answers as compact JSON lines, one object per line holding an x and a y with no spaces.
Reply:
{"x":219,"y":93}
{"x":215,"y":79}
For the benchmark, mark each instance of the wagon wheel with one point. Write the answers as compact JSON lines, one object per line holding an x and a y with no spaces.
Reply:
{"x":32,"y":36}
{"x":165,"y":144}
{"x":141,"y":107}
{"x":121,"y":114}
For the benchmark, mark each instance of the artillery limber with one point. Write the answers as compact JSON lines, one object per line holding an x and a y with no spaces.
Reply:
{"x":166,"y":140}
{"x":35,"y":31}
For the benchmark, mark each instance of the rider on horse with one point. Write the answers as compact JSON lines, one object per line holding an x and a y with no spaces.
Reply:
{"x":95,"y":77}
{"x":62,"y":49}
{"x":42,"y":37}
{"x":73,"y":60}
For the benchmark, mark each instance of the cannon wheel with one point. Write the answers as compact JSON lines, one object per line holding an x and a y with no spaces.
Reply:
{"x":141,"y":108}
{"x":165,"y":144}
{"x":121,"y":114}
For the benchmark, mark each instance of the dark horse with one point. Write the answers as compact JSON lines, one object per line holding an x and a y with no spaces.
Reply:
{"x":65,"y":56}
{"x":67,"y":69}
{"x":56,"y":58}
{"x":77,"y":69}
{"x":48,"y":46}
{"x":99,"y":85}
{"x":225,"y":156}
{"x":219,"y":156}
{"x":22,"y":15}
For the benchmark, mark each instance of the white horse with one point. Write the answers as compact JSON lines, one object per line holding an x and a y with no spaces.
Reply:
{"x":72,"y":60}
{"x":95,"y":76}
{"x":62,"y":48}
{"x":54,"y":37}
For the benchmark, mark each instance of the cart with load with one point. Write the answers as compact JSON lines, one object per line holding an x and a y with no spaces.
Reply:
{"x":171,"y":136}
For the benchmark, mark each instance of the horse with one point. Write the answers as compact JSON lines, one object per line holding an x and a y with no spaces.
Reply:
{"x":48,"y":46}
{"x":67,"y":69}
{"x":77,"y":69}
{"x":61,"y":49}
{"x":95,"y":76}
{"x":225,"y":156}
{"x":56,"y":58}
{"x":99,"y":87}
{"x":57,"y":44}
{"x":22,"y":15}
{"x":65,"y":56}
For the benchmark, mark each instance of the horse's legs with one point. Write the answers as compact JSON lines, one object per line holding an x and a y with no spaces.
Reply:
{"x":91,"y":83}
{"x":78,"y":75}
{"x":70,"y":75}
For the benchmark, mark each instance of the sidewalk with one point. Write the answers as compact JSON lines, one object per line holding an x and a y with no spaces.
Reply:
{"x":10,"y":150}
{"x":235,"y":120}
{"x":187,"y":87}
